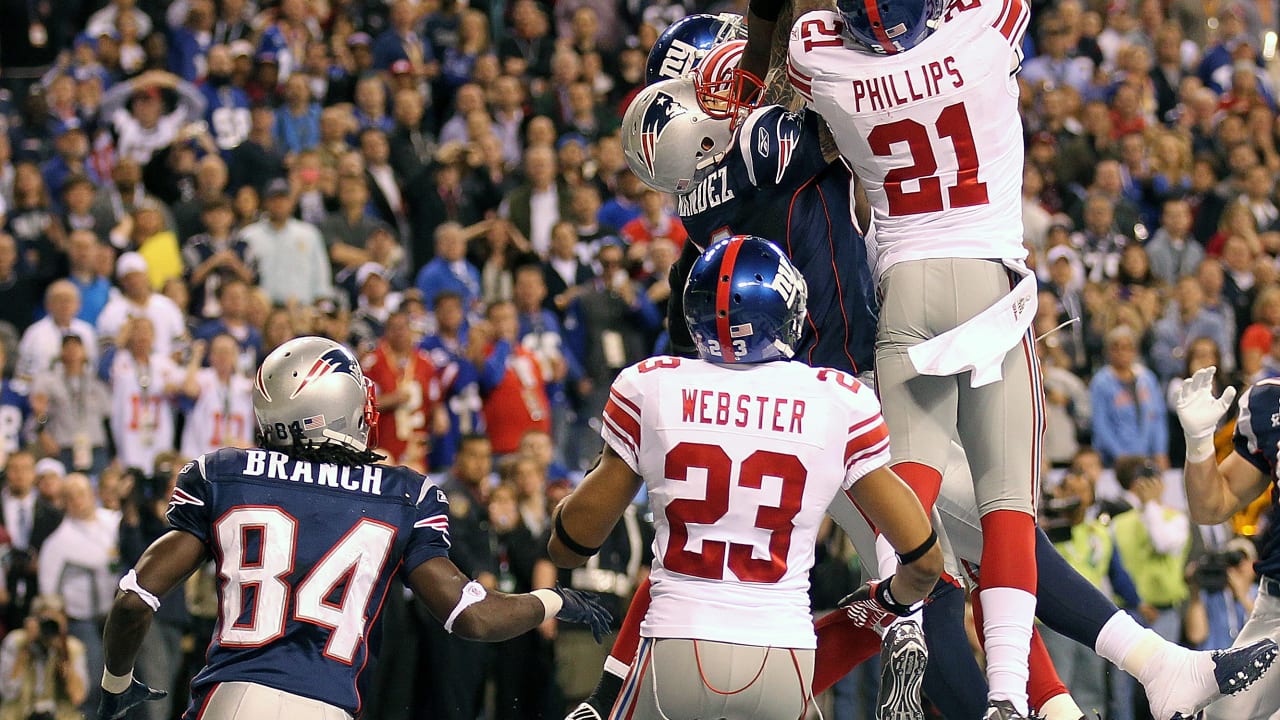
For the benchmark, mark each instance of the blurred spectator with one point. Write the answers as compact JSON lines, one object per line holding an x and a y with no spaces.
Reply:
{"x":564,"y":270}
{"x":83,"y":250}
{"x":504,"y":250}
{"x":226,"y":102}
{"x":21,"y":291}
{"x":657,"y":220}
{"x":154,"y":240}
{"x":231,"y":319}
{"x":215,"y":258}
{"x":1054,"y":67}
{"x":374,"y":304}
{"x":1099,"y":241}
{"x":292,"y":263}
{"x":71,"y":147}
{"x":541,"y":334}
{"x":1173,"y":252}
{"x":1068,"y":412}
{"x":260,"y":157}
{"x":78,"y":404}
{"x":210,"y":187}
{"x":623,"y":206}
{"x":298,"y":119}
{"x":346,"y":229}
{"x":1223,"y":587}
{"x":412,"y":147}
{"x":79,"y":562}
{"x":459,"y":379}
{"x":42,"y":341}
{"x":136,"y":299}
{"x":400,"y":42}
{"x":1128,"y":404}
{"x":135,"y":110}
{"x":1186,"y":320}
{"x":526,"y":51}
{"x":539,"y":447}
{"x":536,"y":206}
{"x":511,"y":381}
{"x":219,"y":413}
{"x":449,"y":270}
{"x":28,"y":521}
{"x":143,"y":384}
{"x":443,"y":193}
{"x":1153,"y":540}
{"x":50,"y":477}
{"x":43,"y":669}
{"x":1256,"y":340}
{"x":118,"y":199}
{"x":408,"y":394}
{"x":384,"y":186}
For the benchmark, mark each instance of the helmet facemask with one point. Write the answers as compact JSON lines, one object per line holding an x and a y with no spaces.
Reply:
{"x":724,"y":90}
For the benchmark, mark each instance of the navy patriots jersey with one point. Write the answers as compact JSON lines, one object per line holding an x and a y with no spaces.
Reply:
{"x":774,"y":183}
{"x":305,"y":553}
{"x":1257,"y":439}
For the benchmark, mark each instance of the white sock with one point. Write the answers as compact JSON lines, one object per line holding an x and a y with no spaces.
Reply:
{"x":1007,"y":615}
{"x":887,"y":564}
{"x":1118,"y":636}
{"x":1060,"y":707}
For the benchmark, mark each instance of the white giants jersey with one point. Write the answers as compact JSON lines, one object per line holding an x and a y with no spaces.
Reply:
{"x":933,"y":132}
{"x":740,"y":464}
{"x":222,"y":416}
{"x":141,"y":414}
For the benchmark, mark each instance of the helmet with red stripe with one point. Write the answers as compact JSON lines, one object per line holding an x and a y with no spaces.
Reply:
{"x":890,"y":26}
{"x":726,"y":92}
{"x":686,"y":41}
{"x":745,"y":302}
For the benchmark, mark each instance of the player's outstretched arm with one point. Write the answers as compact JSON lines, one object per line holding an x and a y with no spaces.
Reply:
{"x":1215,"y":491}
{"x":161,"y":568}
{"x":894,"y":510}
{"x":762,"y":18}
{"x":469,"y":611}
{"x":585,"y":518}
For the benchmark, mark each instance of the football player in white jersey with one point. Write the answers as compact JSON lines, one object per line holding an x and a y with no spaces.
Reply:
{"x":741,"y":452}
{"x":223,"y":412}
{"x":921,"y":98}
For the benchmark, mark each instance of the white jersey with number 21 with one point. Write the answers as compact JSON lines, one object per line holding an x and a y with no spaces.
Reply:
{"x":934,"y":132}
{"x":741,"y":463}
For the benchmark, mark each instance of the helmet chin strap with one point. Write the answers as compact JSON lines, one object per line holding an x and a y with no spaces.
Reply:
{"x":344,"y":439}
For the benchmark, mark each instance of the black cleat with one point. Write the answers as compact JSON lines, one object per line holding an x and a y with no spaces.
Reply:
{"x":903,"y":658}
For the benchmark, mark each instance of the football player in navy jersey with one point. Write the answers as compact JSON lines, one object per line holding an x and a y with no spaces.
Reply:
{"x":1216,"y":490}
{"x":307,"y":533}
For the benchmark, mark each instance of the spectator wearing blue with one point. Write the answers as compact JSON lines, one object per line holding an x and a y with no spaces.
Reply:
{"x":298,"y":119}
{"x":70,"y":159}
{"x":1173,"y":252}
{"x":623,"y":207}
{"x":83,"y":249}
{"x":1223,"y":590}
{"x":1128,"y":404}
{"x":227,"y":112}
{"x":452,"y":355}
{"x":449,"y":271}
{"x":1185,"y":321}
{"x":541,"y":334}
{"x":232,"y":320}
{"x":401,"y":42}
{"x":189,"y":43}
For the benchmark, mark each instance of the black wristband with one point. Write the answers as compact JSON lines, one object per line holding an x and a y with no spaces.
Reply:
{"x":767,"y":10}
{"x":573,"y":545}
{"x":888,"y":603}
{"x":909,"y":557}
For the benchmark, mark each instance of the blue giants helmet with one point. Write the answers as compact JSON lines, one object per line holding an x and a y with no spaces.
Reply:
{"x":745,"y":302}
{"x":682,"y":45}
{"x":890,"y":26}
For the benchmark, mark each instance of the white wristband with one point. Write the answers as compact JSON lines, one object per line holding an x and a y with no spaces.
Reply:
{"x":472,"y":593}
{"x":129,"y":583}
{"x":1199,"y":449}
{"x":116,"y":684}
{"x":551,"y":601}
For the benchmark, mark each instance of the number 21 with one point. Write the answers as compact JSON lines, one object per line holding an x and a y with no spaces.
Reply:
{"x":953,"y":123}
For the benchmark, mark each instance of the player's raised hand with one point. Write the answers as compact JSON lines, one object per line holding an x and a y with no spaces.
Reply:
{"x":584,"y":608}
{"x":114,"y":706}
{"x":1198,"y":410}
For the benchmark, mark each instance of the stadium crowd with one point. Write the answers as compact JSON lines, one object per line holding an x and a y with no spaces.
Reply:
{"x":186,"y":185}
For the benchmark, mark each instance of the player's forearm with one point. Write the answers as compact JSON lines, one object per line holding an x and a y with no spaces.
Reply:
{"x":1209,"y":499}
{"x":755,"y":56}
{"x":127,"y":625}
{"x":500,"y":617}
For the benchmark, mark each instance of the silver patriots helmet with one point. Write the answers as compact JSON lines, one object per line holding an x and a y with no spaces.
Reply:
{"x":669,"y":141}
{"x":311,"y":391}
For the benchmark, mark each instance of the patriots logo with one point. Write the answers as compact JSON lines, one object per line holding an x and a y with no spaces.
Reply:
{"x":787,"y":140}
{"x":182,"y":497}
{"x":660,"y":112}
{"x":333,"y":361}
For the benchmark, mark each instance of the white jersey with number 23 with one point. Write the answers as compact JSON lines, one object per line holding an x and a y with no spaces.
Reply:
{"x":934,"y":132}
{"x":741,"y":463}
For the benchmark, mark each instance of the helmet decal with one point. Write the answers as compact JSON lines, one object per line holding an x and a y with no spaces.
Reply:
{"x":261,"y":385}
{"x":335,"y":360}
{"x":656,"y":117}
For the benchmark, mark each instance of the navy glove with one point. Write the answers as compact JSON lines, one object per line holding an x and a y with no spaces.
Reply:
{"x":584,"y":608}
{"x":116,"y":705}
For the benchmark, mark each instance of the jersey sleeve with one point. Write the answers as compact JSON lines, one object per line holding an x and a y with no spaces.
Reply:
{"x":1245,"y":438}
{"x":1011,"y":22}
{"x":190,"y":506}
{"x":781,"y":148}
{"x":621,"y":422}
{"x":866,"y":444}
{"x":813,"y":30}
{"x":430,"y":535}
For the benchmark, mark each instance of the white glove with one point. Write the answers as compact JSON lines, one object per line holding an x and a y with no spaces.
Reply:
{"x":1199,"y":412}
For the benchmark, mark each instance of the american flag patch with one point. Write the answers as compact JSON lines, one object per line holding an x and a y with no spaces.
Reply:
{"x":313,"y":423}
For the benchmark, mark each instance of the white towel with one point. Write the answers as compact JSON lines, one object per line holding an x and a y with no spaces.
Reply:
{"x":980,"y":343}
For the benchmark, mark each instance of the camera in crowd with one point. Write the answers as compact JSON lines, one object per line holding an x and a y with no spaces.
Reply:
{"x":1058,"y":515}
{"x":1211,"y":569}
